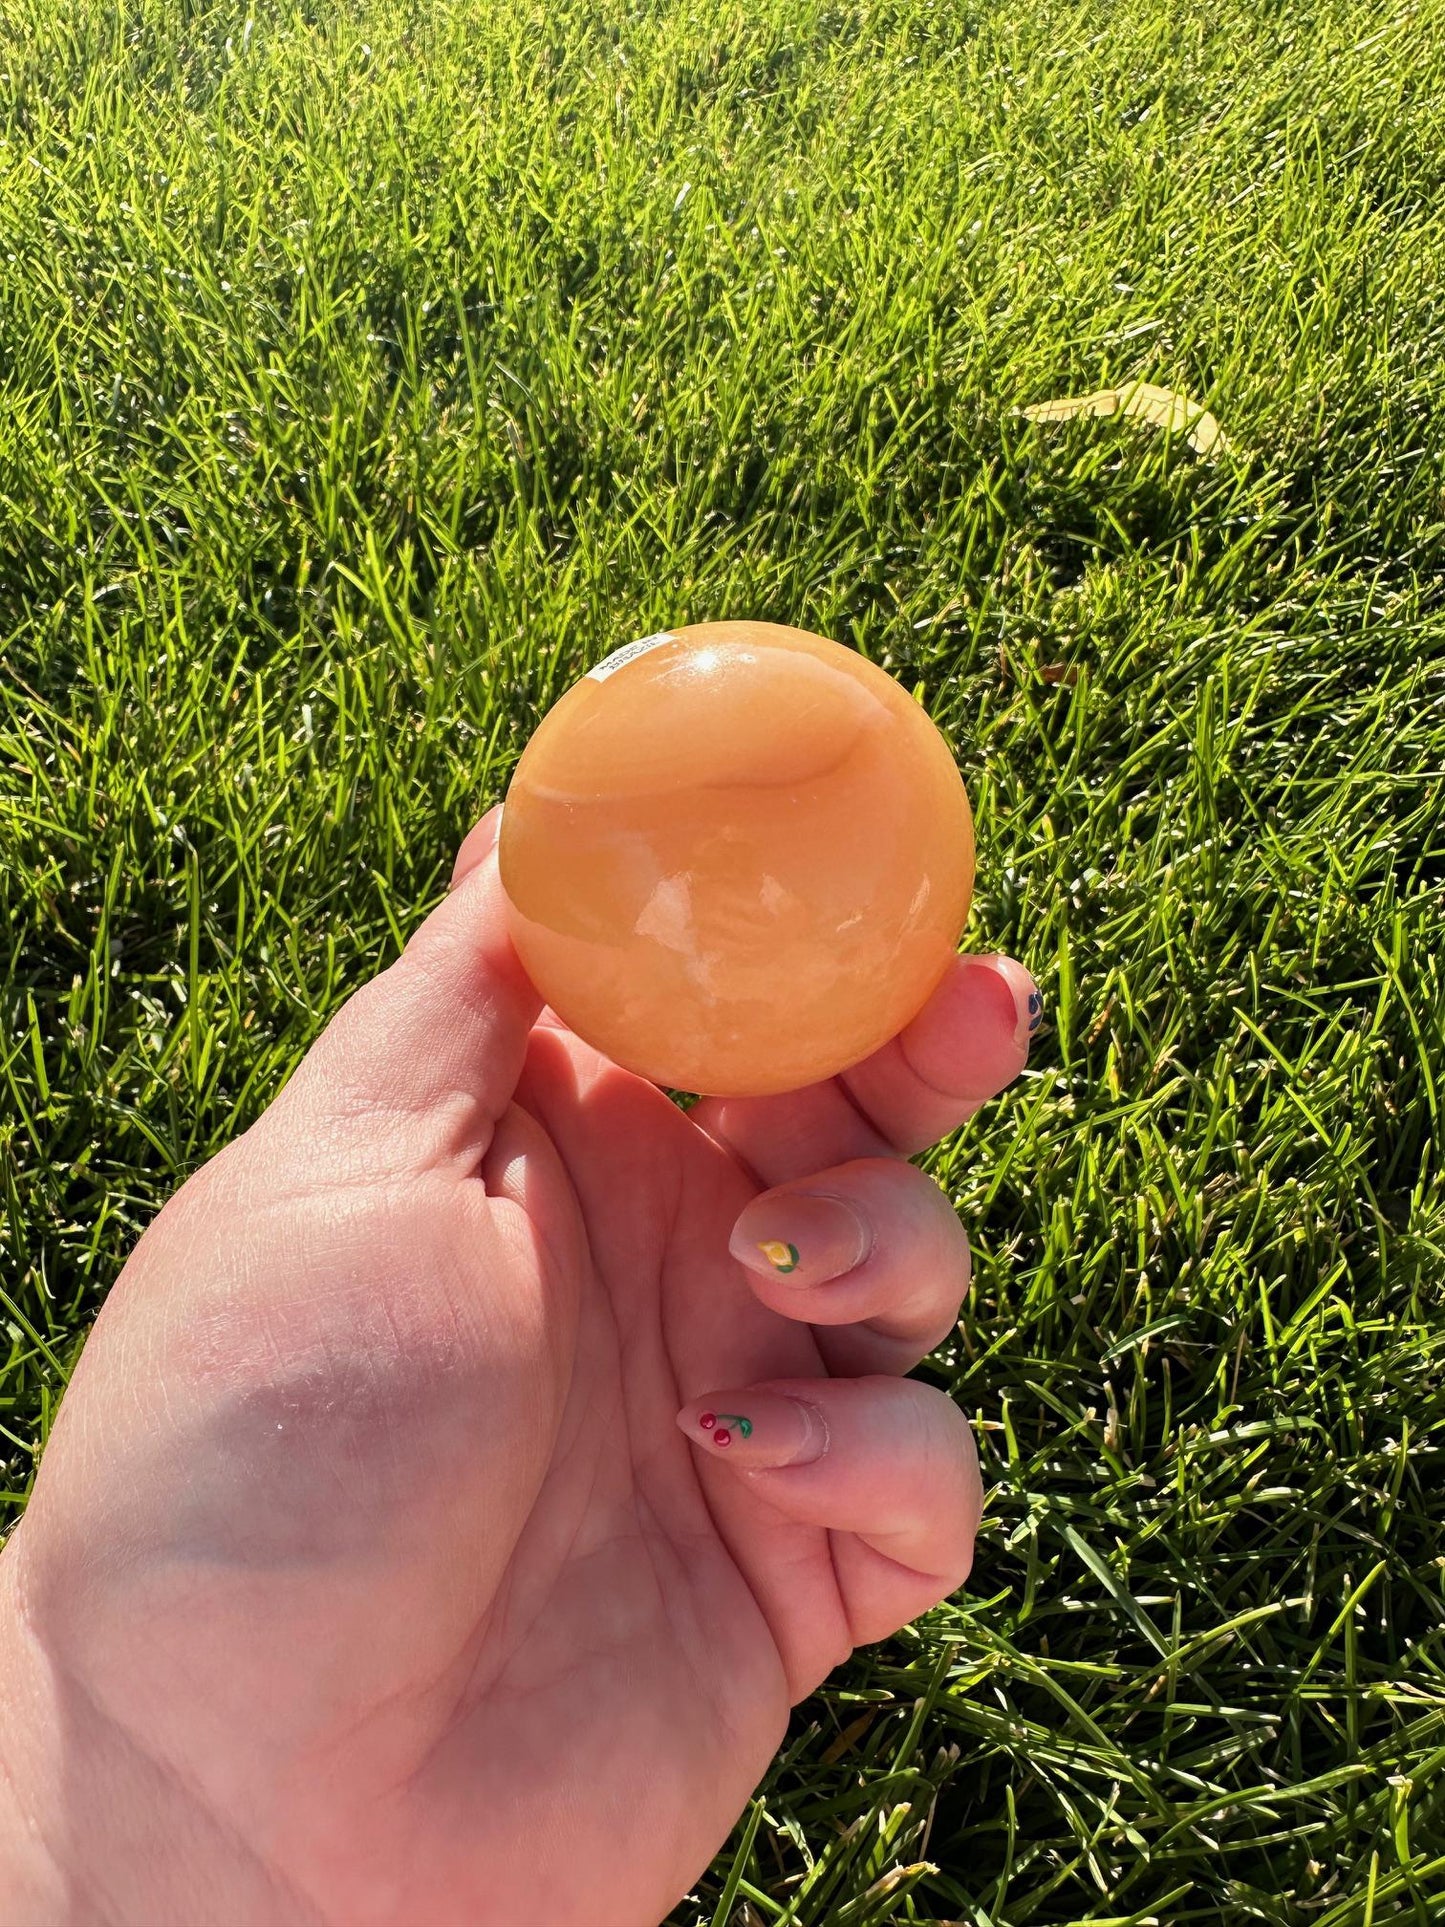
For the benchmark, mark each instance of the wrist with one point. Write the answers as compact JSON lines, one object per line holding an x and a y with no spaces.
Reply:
{"x":93,"y":1827}
{"x":33,"y":1886}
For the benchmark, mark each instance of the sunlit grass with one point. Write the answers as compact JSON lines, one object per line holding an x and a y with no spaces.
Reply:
{"x":368,"y":370}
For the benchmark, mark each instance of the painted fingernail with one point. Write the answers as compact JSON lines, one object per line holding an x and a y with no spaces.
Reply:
{"x":806,"y":1237}
{"x":722,"y":1425}
{"x":782,"y":1257}
{"x":1027,"y":1001}
{"x":756,"y":1429}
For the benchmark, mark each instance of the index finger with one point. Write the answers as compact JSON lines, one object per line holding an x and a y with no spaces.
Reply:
{"x":970,"y":1041}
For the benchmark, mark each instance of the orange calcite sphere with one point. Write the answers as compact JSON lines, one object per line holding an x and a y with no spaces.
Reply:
{"x":737,"y":857}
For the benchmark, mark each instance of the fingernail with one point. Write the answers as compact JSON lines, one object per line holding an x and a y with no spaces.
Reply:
{"x":1024,"y":994}
{"x":476,"y":857}
{"x":758,"y":1430}
{"x":1031,"y":1016}
{"x":804,"y":1237}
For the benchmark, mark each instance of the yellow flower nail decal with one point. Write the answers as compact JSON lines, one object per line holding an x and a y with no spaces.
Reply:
{"x":780,"y":1256}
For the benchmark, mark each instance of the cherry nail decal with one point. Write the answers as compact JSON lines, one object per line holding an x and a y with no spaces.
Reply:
{"x":718,"y":1423}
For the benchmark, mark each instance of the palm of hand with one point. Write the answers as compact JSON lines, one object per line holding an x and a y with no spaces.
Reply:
{"x":500,"y":1643}
{"x":609,"y":1642}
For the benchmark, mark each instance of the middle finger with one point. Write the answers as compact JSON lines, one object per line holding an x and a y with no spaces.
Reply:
{"x":969,"y":1041}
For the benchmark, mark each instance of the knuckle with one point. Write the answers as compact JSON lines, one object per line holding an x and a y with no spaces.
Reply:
{"x":957,"y":1569}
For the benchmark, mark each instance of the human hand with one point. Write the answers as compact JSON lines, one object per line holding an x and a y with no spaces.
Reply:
{"x":384,"y":1569}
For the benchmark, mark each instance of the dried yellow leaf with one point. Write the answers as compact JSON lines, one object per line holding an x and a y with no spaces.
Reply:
{"x":1161,"y":407}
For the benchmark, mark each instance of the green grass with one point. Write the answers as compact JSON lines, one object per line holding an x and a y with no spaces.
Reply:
{"x":367,"y":370}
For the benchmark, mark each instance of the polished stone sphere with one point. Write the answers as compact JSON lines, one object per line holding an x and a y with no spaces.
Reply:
{"x":738,"y":858}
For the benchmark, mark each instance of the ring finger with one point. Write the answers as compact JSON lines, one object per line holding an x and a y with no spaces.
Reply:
{"x":870,"y":1253}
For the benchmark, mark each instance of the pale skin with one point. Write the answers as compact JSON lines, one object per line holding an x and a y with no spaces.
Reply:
{"x":383,"y":1567}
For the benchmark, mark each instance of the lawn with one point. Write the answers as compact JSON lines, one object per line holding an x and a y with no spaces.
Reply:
{"x":367,"y":370}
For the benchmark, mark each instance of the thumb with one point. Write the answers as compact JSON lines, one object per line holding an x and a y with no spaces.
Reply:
{"x":430,"y":1051}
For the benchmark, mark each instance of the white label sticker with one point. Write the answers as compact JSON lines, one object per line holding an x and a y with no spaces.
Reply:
{"x":629,"y":652}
